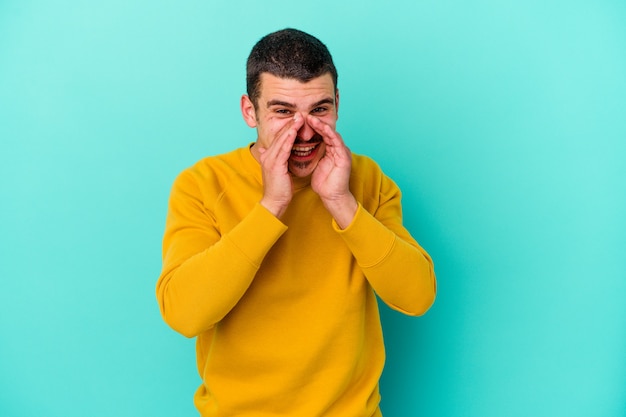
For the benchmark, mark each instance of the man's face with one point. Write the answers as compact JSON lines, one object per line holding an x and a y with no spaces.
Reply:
{"x":279,"y":100}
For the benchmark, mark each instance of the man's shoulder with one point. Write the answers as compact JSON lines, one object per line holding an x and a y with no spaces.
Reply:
{"x":364,"y":166}
{"x":368,"y":178}
{"x":230,"y":158}
{"x":215,"y":171}
{"x":217,"y":165}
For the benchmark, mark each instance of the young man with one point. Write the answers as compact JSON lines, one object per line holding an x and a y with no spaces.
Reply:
{"x":273,"y":253}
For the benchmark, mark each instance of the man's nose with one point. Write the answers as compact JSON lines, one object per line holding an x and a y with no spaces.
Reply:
{"x":306,"y":132}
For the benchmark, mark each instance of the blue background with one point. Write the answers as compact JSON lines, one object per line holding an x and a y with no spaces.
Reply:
{"x":503,"y":122}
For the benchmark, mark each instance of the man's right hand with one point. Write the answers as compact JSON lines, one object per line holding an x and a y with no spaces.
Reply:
{"x":277,"y":184}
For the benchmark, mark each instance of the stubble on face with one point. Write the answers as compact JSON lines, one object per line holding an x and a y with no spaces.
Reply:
{"x":299,"y":165}
{"x":280,"y":99}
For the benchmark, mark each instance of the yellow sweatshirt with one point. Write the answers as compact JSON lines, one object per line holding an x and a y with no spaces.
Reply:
{"x":284,"y":311}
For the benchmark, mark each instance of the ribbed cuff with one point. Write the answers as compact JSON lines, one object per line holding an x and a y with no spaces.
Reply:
{"x":257,"y":233}
{"x":368,"y":239}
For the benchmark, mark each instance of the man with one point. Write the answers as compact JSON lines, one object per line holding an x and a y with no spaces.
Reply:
{"x":273,"y":253}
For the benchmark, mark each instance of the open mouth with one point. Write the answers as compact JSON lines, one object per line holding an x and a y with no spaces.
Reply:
{"x":304,"y":150}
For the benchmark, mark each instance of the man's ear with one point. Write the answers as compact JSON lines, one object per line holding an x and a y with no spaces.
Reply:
{"x":248,"y":111}
{"x":337,"y":102}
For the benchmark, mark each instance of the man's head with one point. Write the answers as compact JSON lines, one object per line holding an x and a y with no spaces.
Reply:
{"x":288,"y":53}
{"x":292,"y":84}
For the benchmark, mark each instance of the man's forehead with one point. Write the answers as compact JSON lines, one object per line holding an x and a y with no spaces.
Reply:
{"x":271,"y":84}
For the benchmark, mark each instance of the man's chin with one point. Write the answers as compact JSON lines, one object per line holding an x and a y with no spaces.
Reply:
{"x":302,"y":169}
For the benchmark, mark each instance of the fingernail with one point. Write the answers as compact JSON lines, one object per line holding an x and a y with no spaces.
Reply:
{"x":296,"y":117}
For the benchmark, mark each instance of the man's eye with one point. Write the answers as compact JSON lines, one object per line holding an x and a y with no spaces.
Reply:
{"x":282,"y":111}
{"x":319,"y":110}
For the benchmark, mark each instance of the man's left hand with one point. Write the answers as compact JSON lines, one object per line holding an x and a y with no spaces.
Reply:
{"x":331,"y":178}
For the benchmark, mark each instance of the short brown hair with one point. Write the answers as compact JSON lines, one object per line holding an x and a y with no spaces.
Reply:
{"x":288,"y":53}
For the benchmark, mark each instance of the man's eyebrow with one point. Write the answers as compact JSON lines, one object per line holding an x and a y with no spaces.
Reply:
{"x":279,"y":103}
{"x":327,"y":100}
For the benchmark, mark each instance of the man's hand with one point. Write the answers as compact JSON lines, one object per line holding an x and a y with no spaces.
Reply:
{"x":331,"y":178}
{"x":277,"y":185}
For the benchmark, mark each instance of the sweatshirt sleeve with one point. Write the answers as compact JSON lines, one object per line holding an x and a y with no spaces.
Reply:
{"x":396,"y":266}
{"x":206,"y":273}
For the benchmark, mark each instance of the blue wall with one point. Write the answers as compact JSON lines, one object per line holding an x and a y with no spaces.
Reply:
{"x":503,"y":122}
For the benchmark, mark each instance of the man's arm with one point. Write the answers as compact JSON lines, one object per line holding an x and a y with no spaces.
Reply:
{"x":396,"y":266}
{"x":398,"y":269}
{"x":205,"y":274}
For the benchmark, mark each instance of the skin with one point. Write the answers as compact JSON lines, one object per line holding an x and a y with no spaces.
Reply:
{"x":291,"y":115}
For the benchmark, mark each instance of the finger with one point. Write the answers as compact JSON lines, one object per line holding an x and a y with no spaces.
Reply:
{"x":287,"y":135}
{"x":328,"y":133}
{"x":281,"y":146}
{"x":335,"y":145}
